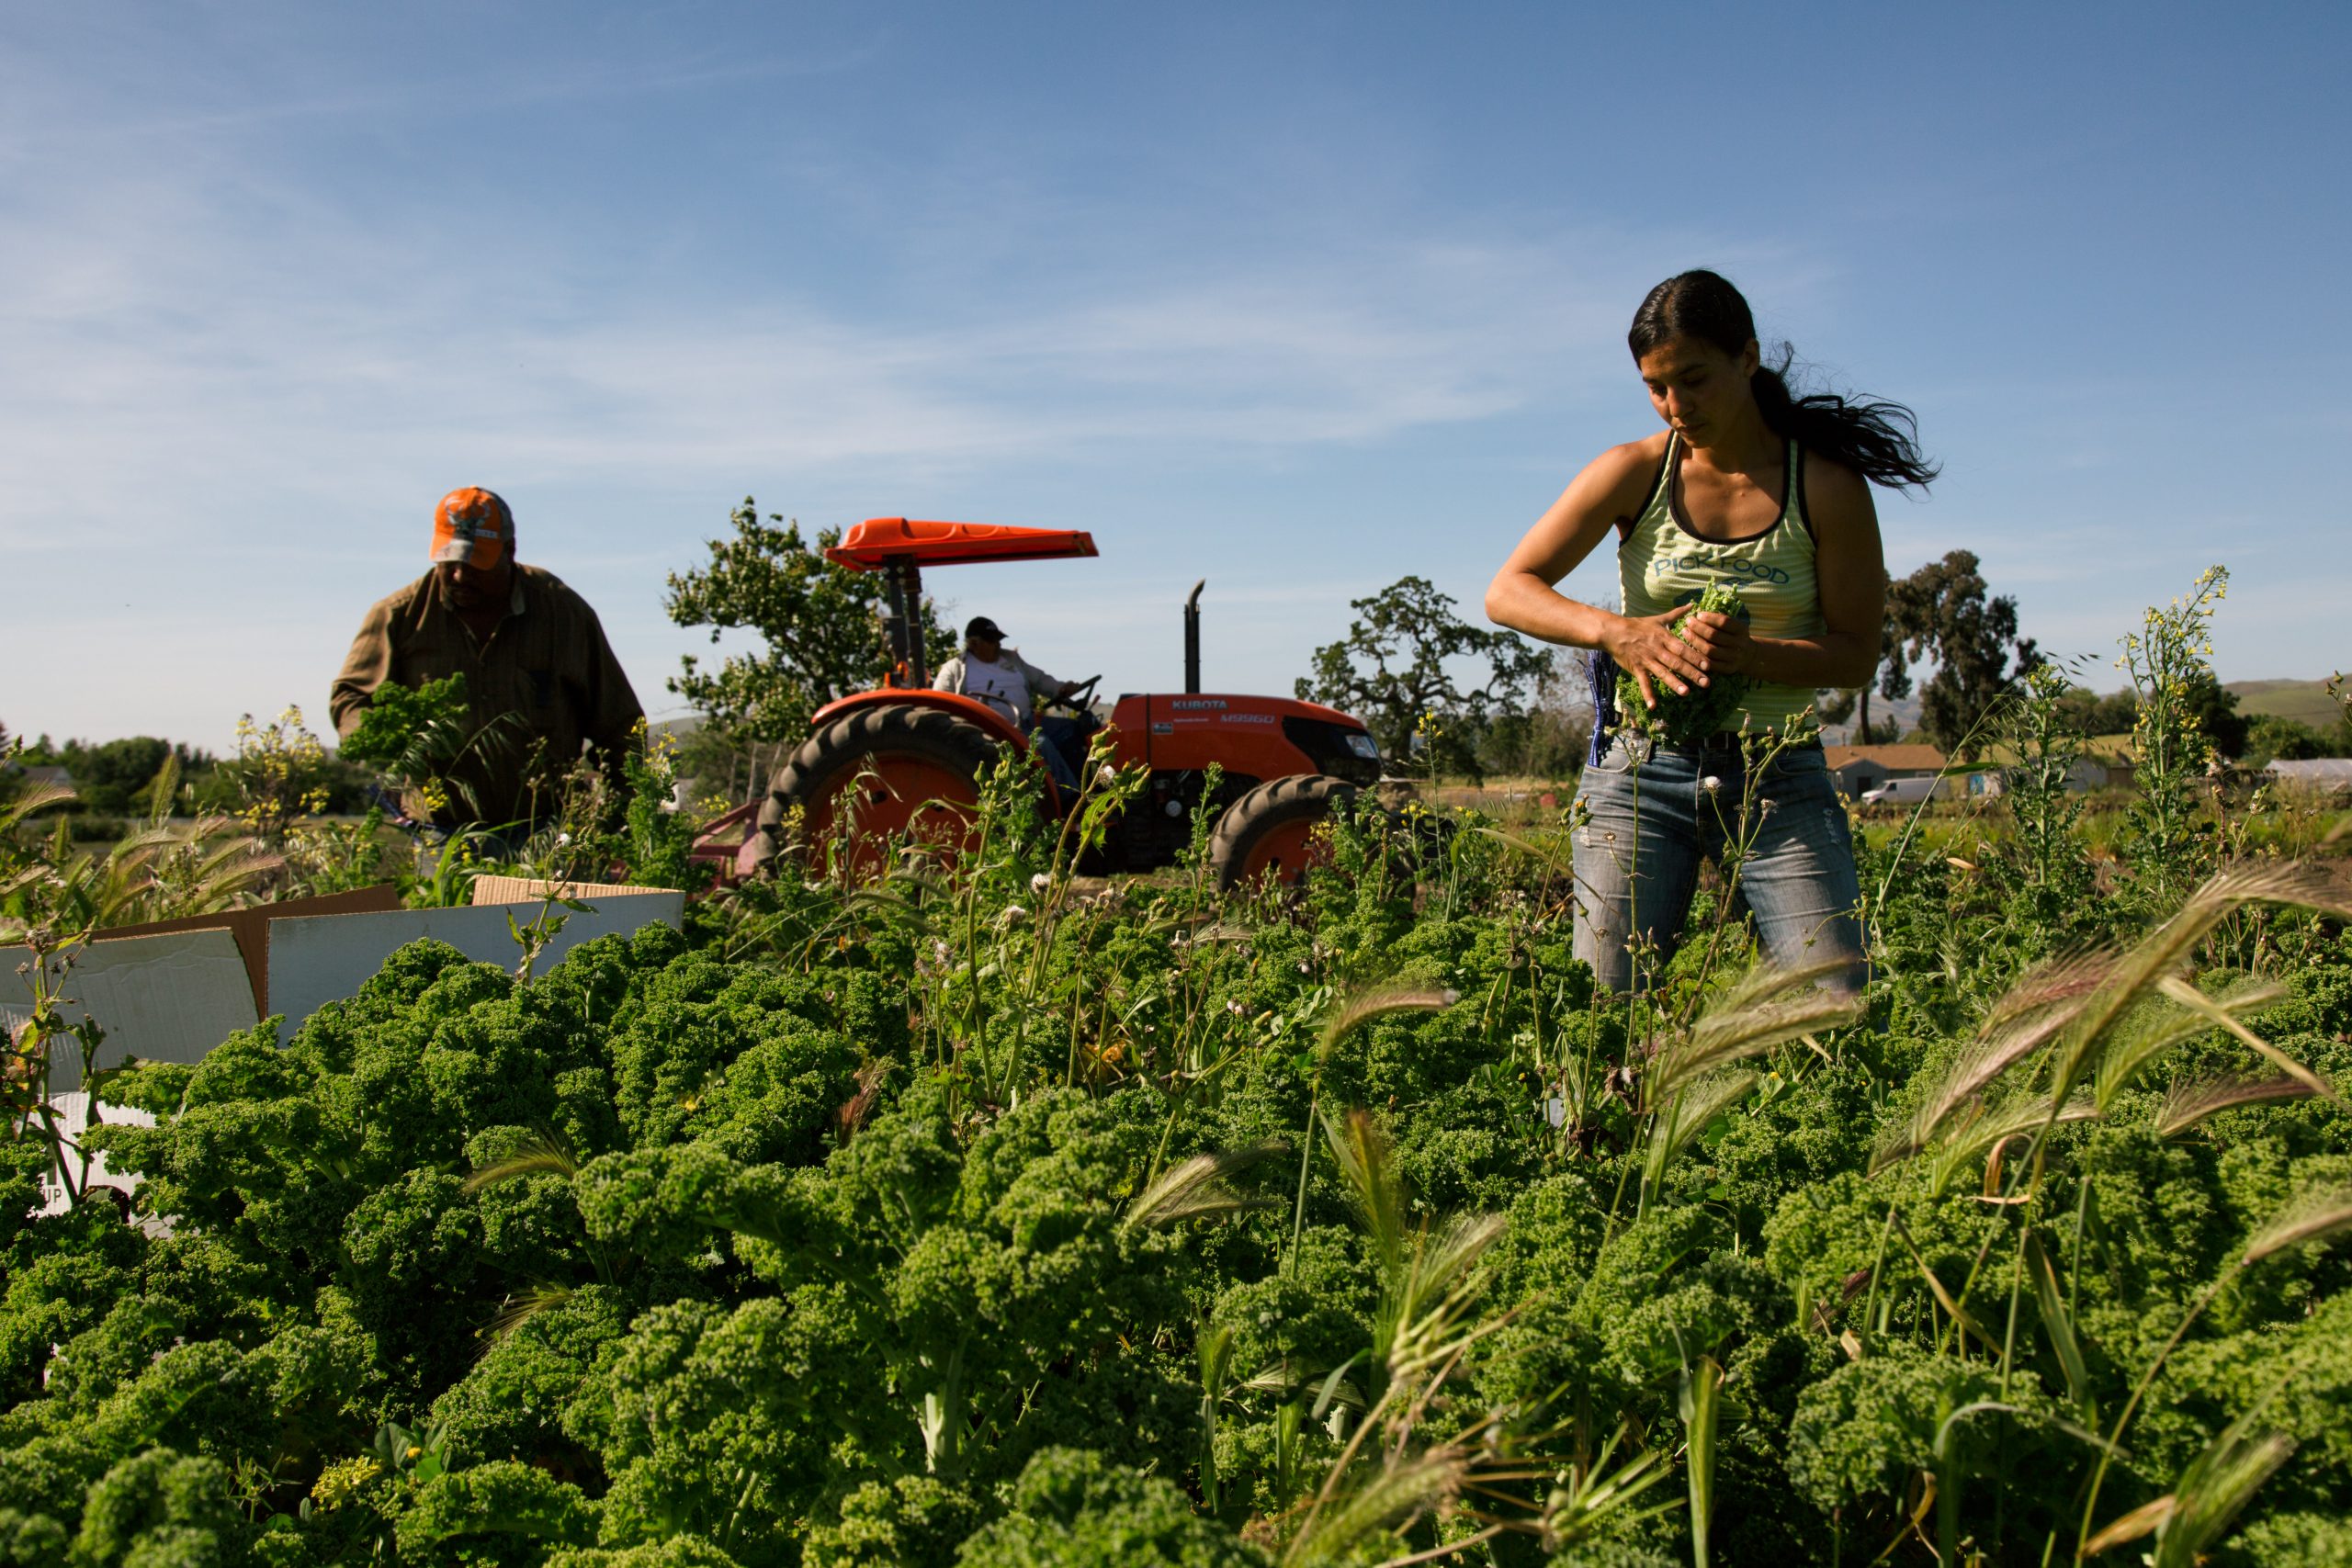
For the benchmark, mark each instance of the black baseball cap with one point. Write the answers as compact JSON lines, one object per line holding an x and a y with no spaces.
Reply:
{"x":982,"y":627}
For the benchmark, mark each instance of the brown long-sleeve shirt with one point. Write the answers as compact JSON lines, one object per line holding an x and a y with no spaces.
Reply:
{"x":547,"y":663}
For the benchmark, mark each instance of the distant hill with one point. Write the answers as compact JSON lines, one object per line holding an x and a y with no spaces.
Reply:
{"x":1905,"y":711}
{"x":2306,"y":701}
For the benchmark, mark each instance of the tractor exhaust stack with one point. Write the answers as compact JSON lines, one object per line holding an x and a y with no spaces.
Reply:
{"x":1193,"y":638}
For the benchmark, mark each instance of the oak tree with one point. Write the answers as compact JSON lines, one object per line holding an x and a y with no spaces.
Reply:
{"x":1407,"y":667}
{"x":819,"y":625}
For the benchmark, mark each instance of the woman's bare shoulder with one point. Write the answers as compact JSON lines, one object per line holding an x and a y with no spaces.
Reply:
{"x":1626,"y":469}
{"x":1838,"y":506}
{"x":1831,"y":488}
{"x":1641,"y":456}
{"x":1611,"y":489}
{"x":1607,"y":491}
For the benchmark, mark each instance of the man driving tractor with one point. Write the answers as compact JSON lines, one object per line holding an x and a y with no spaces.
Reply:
{"x":990,"y":672}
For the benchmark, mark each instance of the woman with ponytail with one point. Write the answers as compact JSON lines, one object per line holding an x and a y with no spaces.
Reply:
{"x":1752,"y":487}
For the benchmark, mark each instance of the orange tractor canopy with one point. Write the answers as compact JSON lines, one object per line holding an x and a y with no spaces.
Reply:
{"x":904,"y":760}
{"x":900,"y":548}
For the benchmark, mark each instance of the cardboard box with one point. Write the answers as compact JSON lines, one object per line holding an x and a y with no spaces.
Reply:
{"x":536,"y":889}
{"x":250,"y":927}
{"x":166,"y":997}
{"x":326,"y":958}
{"x":170,"y":991}
{"x":74,"y":1117}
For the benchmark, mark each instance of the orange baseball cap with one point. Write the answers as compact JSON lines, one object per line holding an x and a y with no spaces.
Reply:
{"x":472,"y":525}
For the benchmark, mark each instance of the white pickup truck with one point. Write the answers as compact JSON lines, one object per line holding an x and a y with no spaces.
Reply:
{"x":1909,"y":792}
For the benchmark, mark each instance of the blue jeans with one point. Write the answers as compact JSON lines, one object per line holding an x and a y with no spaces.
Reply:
{"x":1644,"y":825}
{"x":1061,"y":744}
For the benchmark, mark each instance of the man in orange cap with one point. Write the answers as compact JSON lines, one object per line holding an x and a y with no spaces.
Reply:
{"x":542,"y":685}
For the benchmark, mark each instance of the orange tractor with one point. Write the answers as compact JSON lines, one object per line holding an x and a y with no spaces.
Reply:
{"x":907,"y":759}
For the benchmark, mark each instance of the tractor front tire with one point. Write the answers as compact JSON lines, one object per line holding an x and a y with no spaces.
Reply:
{"x":1270,"y":831}
{"x":898,"y":765}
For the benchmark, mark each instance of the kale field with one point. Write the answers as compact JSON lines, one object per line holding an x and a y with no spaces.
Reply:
{"x":979,"y":1214}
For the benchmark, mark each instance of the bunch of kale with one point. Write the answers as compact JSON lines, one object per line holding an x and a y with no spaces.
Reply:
{"x":1682,"y":717}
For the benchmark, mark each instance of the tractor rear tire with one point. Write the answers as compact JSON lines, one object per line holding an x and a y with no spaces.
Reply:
{"x":1271,"y":830}
{"x":918,"y":757}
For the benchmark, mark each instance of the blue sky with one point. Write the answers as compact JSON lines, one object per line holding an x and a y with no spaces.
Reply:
{"x":1299,"y":299}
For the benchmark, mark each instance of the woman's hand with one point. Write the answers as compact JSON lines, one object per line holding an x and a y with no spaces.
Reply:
{"x":1722,"y":642}
{"x":1645,"y":647}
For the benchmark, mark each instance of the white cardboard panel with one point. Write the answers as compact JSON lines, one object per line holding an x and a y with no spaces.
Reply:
{"x":326,"y":958}
{"x":73,"y":1113}
{"x":161,"y":998}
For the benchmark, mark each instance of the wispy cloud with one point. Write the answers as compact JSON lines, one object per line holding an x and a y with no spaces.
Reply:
{"x":176,"y":345}
{"x":238,"y":69}
{"x":225,"y":376}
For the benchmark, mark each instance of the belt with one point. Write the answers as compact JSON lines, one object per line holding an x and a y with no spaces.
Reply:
{"x":1728,"y":740}
{"x":1720,"y":740}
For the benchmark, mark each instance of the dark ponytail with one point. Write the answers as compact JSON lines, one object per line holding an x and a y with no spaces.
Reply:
{"x":1878,"y":440}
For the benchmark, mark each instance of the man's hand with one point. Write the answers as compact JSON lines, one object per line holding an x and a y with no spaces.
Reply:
{"x":1066,"y":688}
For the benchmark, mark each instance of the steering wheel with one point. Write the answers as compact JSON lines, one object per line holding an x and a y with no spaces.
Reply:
{"x":1002,"y":706}
{"x":1082,"y":700}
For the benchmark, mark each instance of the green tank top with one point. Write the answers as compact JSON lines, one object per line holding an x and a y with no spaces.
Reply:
{"x":1661,"y":562}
